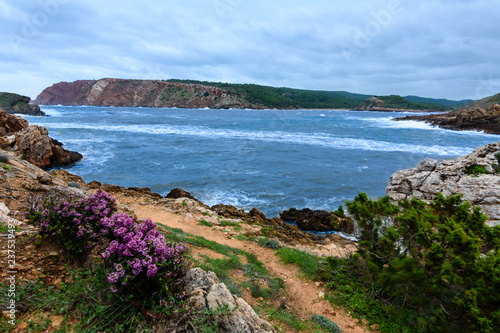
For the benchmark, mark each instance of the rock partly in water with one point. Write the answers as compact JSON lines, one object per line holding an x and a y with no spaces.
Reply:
{"x":454,"y":177}
{"x":487,"y":120}
{"x":318,"y":220}
{"x":210,"y":303}
{"x":35,"y":145}
{"x":14,"y":103}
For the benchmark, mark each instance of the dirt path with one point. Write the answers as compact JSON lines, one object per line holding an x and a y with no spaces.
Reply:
{"x":304,"y":295}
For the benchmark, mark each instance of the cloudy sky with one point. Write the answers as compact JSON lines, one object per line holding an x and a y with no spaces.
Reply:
{"x":432,"y":48}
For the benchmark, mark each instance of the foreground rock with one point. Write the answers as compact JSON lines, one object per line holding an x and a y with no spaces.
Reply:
{"x":451,"y":177}
{"x":205,"y":294}
{"x":35,"y":145}
{"x":14,"y":103}
{"x":318,"y":220}
{"x":479,"y":119}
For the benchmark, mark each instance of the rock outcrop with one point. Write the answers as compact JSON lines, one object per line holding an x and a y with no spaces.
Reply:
{"x":146,"y":93}
{"x":210,"y":304}
{"x":35,"y":145}
{"x":479,"y":119}
{"x":14,"y":103}
{"x":455,"y":177}
{"x":318,"y":220}
{"x":10,"y":123}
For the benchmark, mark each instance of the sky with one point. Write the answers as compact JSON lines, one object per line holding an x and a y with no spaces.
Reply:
{"x":429,"y":48}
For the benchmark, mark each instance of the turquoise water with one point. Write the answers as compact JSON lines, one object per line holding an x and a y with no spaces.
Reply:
{"x":269,"y":159}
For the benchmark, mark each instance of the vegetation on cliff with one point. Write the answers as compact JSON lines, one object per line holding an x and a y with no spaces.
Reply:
{"x":199,"y":94}
{"x":14,"y":103}
{"x":438,"y":263}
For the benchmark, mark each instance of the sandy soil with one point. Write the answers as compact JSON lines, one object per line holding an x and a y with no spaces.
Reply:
{"x":303,"y":295}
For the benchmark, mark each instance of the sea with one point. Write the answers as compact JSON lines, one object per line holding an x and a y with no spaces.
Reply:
{"x":269,"y":159}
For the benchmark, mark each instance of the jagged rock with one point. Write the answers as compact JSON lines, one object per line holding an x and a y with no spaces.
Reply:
{"x":205,"y":293}
{"x":449,"y":178}
{"x":177,"y":193}
{"x":477,"y":118}
{"x":318,"y":220}
{"x":39,"y":149}
{"x":229,"y":211}
{"x":14,"y":103}
{"x":10,"y":123}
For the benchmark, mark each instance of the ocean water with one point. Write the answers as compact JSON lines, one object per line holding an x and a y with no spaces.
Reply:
{"x":269,"y":159}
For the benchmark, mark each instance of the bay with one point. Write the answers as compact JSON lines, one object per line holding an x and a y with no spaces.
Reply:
{"x":269,"y":159}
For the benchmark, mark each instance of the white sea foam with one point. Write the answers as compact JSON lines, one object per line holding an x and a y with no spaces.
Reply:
{"x":320,"y":139}
{"x":51,"y":112}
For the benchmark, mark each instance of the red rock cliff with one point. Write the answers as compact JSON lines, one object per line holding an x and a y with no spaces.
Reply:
{"x":148,"y":93}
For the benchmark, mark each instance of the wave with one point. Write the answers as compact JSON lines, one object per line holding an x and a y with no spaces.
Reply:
{"x":311,"y":139}
{"x":51,"y":112}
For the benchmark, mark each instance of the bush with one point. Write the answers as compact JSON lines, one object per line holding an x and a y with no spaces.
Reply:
{"x":326,"y":324}
{"x":439,"y":259}
{"x":138,"y":252}
{"x":74,"y":223}
{"x":4,"y":159}
{"x":475,"y":170}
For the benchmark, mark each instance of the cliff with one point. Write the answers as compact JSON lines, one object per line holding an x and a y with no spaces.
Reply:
{"x":14,"y":103}
{"x":476,"y":176}
{"x":147,"y":93}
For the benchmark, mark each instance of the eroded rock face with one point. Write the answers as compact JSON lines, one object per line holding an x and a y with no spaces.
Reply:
{"x":10,"y":123}
{"x":38,"y":148}
{"x":205,"y":292}
{"x":450,"y":177}
{"x":487,"y":120}
{"x":318,"y":220}
{"x":150,"y":93}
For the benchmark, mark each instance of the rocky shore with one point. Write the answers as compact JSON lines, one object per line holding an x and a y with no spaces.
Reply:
{"x":476,"y":176}
{"x":478,"y":119}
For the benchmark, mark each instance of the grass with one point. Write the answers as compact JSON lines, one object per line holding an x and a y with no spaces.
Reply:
{"x":258,"y":279}
{"x":205,"y":223}
{"x":309,"y":265}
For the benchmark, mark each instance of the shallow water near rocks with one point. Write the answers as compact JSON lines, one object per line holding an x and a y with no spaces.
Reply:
{"x":269,"y":159}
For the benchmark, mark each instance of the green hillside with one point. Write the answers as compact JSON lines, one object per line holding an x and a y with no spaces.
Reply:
{"x":282,"y":98}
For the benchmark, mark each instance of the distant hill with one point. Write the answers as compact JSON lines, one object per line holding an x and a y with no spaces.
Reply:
{"x":398,"y":103}
{"x":201,"y":94}
{"x":438,"y":101}
{"x":14,"y":103}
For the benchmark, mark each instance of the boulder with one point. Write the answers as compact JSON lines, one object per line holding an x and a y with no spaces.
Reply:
{"x":207,"y":297}
{"x":10,"y":123}
{"x":38,"y":148}
{"x":318,"y":220}
{"x":451,"y":177}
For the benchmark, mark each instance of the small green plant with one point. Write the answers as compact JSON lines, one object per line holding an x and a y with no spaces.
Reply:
{"x":309,"y":265}
{"x":270,"y":243}
{"x":184,"y":204}
{"x":205,"y":223}
{"x":4,"y":159}
{"x":74,"y":184}
{"x":326,"y":324}
{"x":475,"y":170}
{"x":6,"y":167}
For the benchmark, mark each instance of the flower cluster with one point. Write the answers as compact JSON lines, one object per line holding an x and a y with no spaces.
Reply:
{"x":75,"y":223}
{"x":137,"y":251}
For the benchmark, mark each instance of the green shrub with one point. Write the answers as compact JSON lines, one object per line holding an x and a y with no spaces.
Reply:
{"x":439,"y":259}
{"x":475,"y":170}
{"x":4,"y":159}
{"x":270,"y":243}
{"x":326,"y":324}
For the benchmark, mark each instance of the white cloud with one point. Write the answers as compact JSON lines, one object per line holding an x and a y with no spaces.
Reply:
{"x":433,"y":48}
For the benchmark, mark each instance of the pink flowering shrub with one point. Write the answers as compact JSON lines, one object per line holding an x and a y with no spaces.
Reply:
{"x":74,"y":223}
{"x":137,"y":252}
